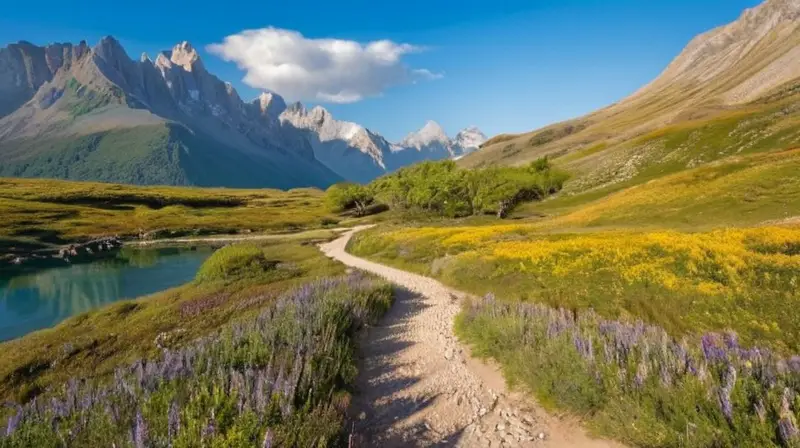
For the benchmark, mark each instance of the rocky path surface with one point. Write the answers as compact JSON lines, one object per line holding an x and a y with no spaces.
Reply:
{"x":418,"y":386}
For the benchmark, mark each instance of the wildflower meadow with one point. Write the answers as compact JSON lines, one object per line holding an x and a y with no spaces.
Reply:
{"x":278,"y":379}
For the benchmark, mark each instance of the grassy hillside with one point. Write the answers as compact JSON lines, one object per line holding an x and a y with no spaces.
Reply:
{"x":38,"y":213}
{"x":602,"y":152}
{"x":738,"y":191}
{"x":629,"y":326}
{"x":166,"y":154}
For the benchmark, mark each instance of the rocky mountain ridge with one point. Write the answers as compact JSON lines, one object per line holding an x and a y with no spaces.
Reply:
{"x":61,"y":94}
{"x":359,"y":154}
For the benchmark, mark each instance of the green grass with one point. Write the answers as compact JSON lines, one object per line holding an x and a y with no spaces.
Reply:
{"x":155,"y":154}
{"x":84,"y":100}
{"x":237,"y":262}
{"x":95,"y":343}
{"x":737,"y":191}
{"x":634,"y":383}
{"x":557,"y":295}
{"x":687,"y":283}
{"x":38,"y":213}
{"x":280,"y":372}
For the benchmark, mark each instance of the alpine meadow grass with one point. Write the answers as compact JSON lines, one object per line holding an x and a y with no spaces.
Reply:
{"x":655,"y":338}
{"x":278,"y":379}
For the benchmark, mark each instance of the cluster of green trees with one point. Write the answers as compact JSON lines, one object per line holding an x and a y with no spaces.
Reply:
{"x":443,"y":188}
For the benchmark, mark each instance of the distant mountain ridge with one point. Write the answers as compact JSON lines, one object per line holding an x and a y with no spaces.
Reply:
{"x":75,"y":112}
{"x":359,"y":154}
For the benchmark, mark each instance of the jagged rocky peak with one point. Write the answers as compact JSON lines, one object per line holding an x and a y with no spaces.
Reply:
{"x":319,"y":120}
{"x":185,"y":55}
{"x":109,"y":48}
{"x":296,"y":108}
{"x":319,"y":115}
{"x":271,"y":104}
{"x":163,"y":60}
{"x":233,"y":95}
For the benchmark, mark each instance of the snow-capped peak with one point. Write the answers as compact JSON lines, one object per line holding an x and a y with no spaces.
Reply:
{"x":470,"y":138}
{"x":431,"y":133}
{"x":271,"y":104}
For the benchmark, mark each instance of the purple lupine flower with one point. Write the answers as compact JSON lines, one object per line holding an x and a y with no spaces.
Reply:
{"x":665,"y":376}
{"x":173,"y":422}
{"x":584,"y":346}
{"x":691,"y":368}
{"x":267,"y":443}
{"x":731,"y":340}
{"x":794,"y":364}
{"x":641,"y":374}
{"x":711,"y":349}
{"x":211,"y":427}
{"x":139,"y":431}
{"x":71,"y":401}
{"x":13,"y":422}
{"x":782,"y":367}
{"x":728,"y":381}
{"x":788,"y":432}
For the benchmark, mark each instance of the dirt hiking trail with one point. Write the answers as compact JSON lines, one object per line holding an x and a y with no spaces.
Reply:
{"x":418,"y":386}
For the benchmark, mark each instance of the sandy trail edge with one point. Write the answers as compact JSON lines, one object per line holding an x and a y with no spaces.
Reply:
{"x":418,"y":386}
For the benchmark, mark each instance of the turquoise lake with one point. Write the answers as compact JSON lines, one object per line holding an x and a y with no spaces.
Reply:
{"x":30,"y":302}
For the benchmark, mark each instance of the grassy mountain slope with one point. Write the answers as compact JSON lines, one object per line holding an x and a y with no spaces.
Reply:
{"x":167,"y":154}
{"x":733,"y":91}
{"x":771,"y":124}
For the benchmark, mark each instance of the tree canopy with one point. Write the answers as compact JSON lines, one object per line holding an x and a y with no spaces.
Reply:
{"x":443,"y":188}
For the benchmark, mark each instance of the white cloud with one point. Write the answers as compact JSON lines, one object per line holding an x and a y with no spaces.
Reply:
{"x":328,"y":70}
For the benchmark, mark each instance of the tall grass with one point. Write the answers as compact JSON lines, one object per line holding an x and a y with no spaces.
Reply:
{"x":279,"y":379}
{"x":635,"y":382}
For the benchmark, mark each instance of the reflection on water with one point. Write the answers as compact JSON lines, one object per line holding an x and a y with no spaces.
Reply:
{"x":33,"y":301}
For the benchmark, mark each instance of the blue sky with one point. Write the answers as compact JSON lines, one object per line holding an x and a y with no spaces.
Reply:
{"x":508,"y":65}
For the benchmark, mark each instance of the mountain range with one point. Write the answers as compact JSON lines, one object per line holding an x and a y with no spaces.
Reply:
{"x":75,"y":112}
{"x":732,"y":91}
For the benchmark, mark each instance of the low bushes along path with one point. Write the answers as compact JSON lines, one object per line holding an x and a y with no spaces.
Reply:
{"x":418,"y":386}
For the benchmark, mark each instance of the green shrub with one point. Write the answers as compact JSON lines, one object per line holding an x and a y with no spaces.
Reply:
{"x":347,"y":196}
{"x":235,"y":262}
